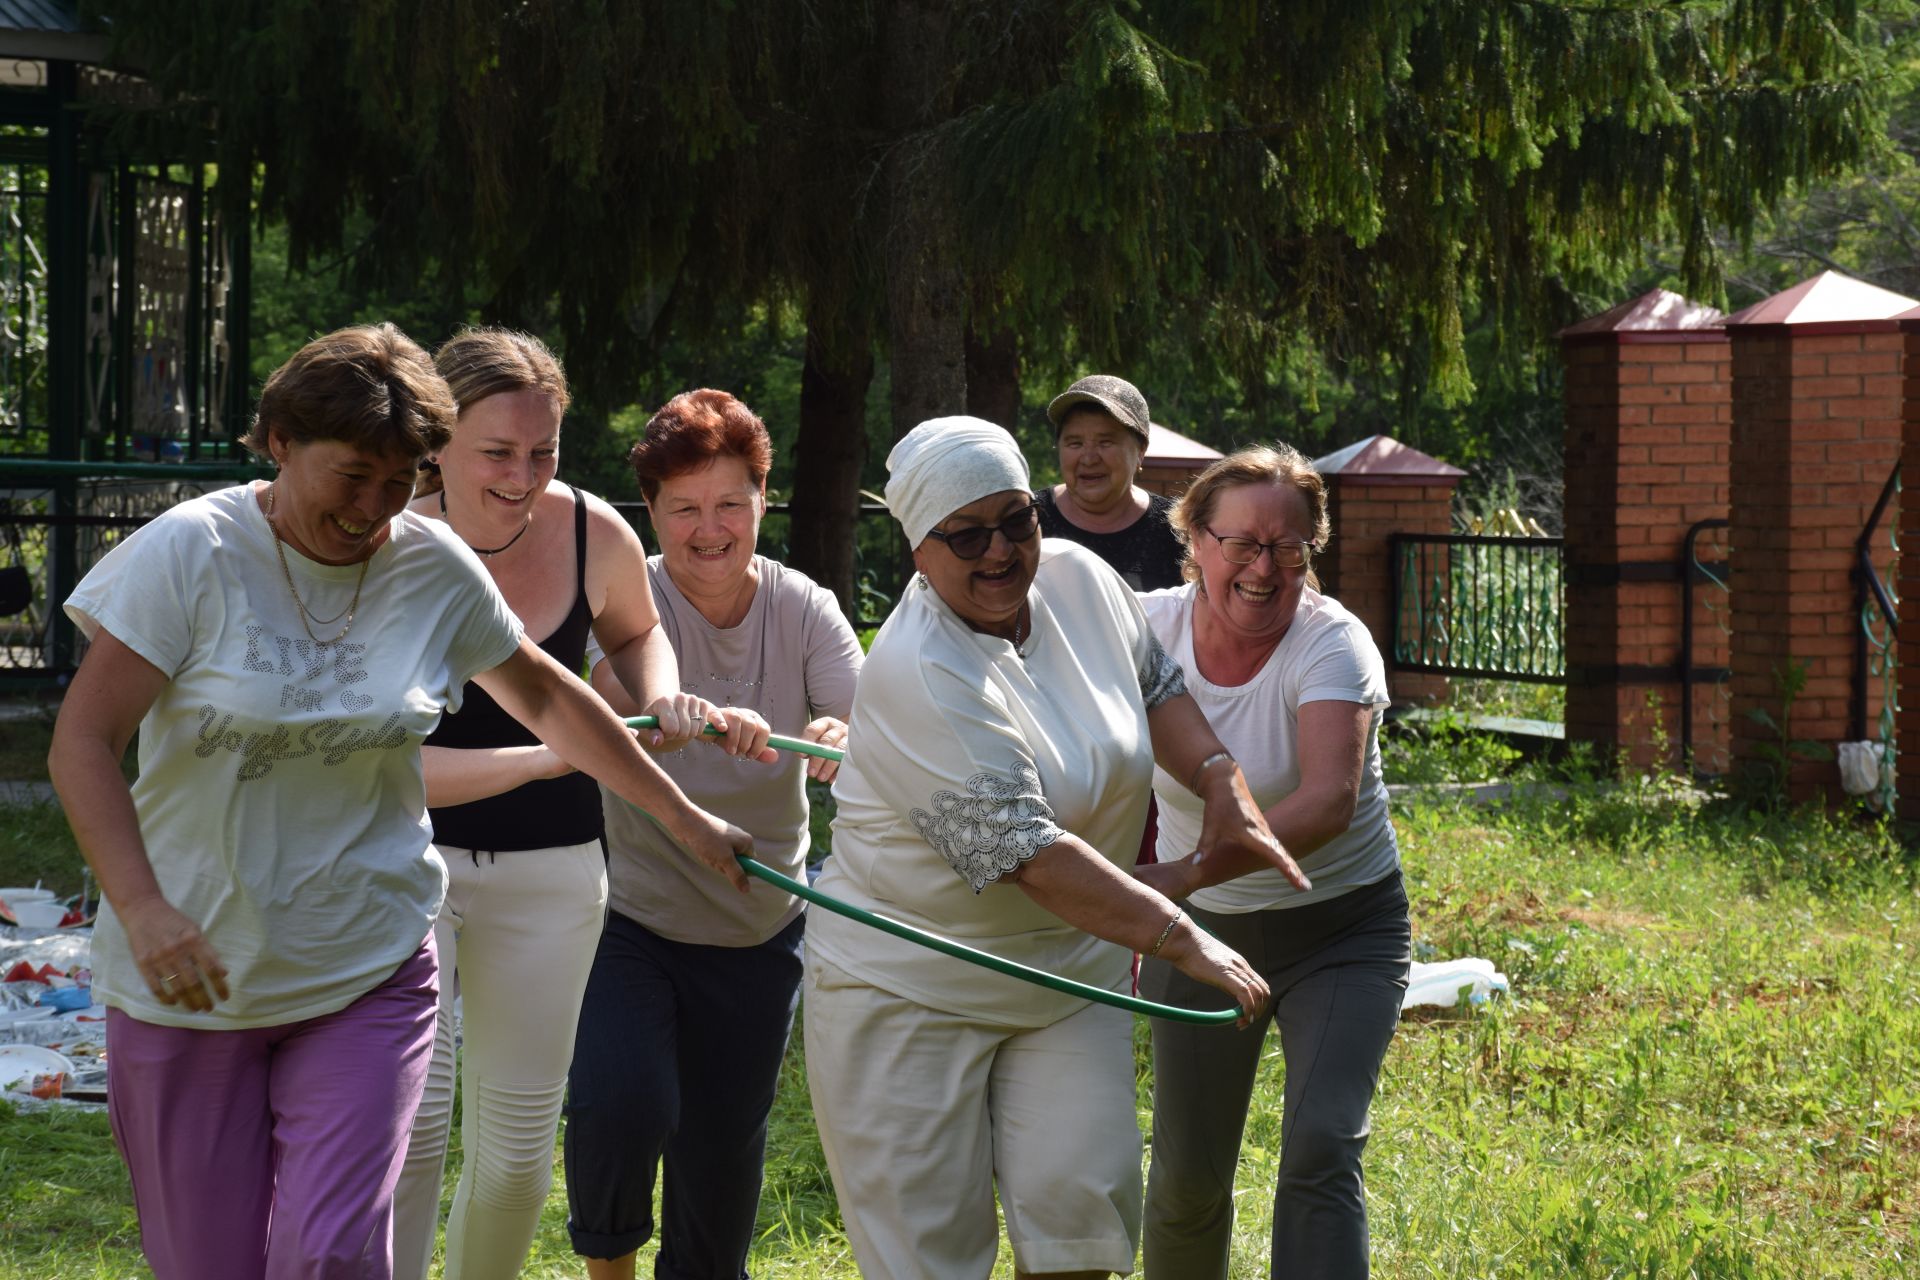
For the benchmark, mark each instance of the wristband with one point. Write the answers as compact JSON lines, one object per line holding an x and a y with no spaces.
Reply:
{"x":1193,"y":781}
{"x":1166,"y":933}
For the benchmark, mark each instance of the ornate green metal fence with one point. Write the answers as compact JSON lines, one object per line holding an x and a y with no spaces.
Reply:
{"x":1474,"y":605}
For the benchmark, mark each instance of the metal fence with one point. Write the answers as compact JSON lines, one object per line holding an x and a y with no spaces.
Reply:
{"x":1479,"y":606}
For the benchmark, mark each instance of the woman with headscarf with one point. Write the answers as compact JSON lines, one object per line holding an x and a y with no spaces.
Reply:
{"x":1003,"y":736}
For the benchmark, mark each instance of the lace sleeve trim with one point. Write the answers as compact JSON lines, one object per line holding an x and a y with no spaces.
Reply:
{"x":999,"y":824}
{"x":1160,"y":676}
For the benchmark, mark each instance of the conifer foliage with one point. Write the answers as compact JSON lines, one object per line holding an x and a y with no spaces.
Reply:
{"x":1094,"y":178}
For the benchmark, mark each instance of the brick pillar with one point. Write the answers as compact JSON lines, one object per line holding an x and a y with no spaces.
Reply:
{"x":1376,"y":488}
{"x":1817,"y":427}
{"x":1647,"y":421}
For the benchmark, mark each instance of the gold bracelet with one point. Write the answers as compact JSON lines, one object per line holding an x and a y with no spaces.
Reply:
{"x":1166,"y":933}
{"x":1193,"y":780}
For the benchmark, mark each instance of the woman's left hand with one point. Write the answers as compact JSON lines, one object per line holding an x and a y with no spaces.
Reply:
{"x":828,"y":732}
{"x":1232,"y":823}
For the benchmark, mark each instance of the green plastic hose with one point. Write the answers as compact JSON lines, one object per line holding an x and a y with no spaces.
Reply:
{"x":946,"y":946}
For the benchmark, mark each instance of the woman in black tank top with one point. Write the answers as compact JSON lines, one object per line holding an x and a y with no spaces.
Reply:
{"x":520,"y":834}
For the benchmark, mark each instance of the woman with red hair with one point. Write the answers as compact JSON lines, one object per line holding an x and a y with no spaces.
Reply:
{"x":693,"y":990}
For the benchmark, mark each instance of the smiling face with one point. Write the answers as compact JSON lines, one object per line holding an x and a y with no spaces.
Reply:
{"x":1098,"y":459}
{"x":1253,"y":602}
{"x":333,"y":501}
{"x":987,"y":593}
{"x":503,"y":454}
{"x":708,"y":522}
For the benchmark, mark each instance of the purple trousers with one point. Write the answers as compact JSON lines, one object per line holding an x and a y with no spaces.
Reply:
{"x":273,"y":1151}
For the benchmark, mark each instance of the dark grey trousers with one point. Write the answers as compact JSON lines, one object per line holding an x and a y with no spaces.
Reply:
{"x":1338,"y":970}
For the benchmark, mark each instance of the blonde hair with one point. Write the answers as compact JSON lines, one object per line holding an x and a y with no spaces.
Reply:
{"x":483,"y":362}
{"x":370,"y":386}
{"x":488,"y":361}
{"x":1279,"y":464}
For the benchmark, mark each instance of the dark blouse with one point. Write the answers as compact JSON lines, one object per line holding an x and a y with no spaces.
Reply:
{"x":1147,"y":553}
{"x":538,"y":815}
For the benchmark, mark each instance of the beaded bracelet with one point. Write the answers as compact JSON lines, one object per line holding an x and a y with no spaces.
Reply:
{"x":1166,"y":933}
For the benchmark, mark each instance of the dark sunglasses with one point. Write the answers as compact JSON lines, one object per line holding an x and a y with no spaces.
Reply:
{"x":972,"y":542}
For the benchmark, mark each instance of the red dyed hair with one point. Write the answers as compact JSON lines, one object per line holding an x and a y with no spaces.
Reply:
{"x":693,"y":429}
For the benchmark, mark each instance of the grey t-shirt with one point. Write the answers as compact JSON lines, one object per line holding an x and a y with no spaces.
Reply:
{"x":793,"y":658}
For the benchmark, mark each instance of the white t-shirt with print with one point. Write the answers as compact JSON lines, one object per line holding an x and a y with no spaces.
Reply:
{"x":964,"y":759}
{"x":1327,"y":655}
{"x":280,"y":794}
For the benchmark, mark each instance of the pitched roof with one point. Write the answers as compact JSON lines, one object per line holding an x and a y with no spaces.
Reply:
{"x":1828,"y":298}
{"x":1384,"y":460}
{"x":1655,"y":311}
{"x":1170,"y":449}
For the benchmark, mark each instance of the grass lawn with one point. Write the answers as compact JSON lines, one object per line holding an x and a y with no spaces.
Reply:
{"x":1711,"y":1066}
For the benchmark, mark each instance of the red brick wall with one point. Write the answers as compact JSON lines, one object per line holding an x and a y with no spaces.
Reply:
{"x":1648,"y":422}
{"x":1818,"y":421}
{"x":1363,"y":512}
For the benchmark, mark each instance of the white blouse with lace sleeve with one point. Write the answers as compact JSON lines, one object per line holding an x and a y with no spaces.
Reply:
{"x":967,"y":759}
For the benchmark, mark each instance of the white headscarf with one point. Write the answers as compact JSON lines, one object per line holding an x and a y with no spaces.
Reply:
{"x":945,"y":463}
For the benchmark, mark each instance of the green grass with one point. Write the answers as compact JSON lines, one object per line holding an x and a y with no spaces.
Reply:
{"x":1711,"y":1067}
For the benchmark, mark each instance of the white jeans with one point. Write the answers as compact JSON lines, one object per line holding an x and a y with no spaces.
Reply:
{"x":517,"y":936}
{"x":923,"y":1113}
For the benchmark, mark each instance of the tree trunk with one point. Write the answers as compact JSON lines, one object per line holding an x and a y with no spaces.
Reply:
{"x":993,"y":378}
{"x":926,"y":299}
{"x":829,"y":453}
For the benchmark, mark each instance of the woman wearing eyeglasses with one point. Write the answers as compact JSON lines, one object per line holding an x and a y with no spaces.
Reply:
{"x":1003,"y":735}
{"x":1295,"y":688}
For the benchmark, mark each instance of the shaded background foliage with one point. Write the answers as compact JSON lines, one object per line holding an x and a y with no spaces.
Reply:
{"x":1314,"y":220}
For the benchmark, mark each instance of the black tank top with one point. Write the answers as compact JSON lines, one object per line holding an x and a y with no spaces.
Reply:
{"x":539,"y":815}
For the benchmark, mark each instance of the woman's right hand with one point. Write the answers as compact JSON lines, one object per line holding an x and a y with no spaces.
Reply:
{"x":179,"y":964}
{"x":716,"y":843}
{"x":1204,"y":958}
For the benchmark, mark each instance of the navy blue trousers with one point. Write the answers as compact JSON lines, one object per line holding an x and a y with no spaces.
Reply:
{"x":677,"y":1058}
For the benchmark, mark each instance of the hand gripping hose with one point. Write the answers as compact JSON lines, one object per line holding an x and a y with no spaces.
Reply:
{"x":946,"y":946}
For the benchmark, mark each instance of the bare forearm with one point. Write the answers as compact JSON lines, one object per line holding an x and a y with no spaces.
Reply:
{"x":1302,"y":822}
{"x":461,"y":775}
{"x":1076,"y":884}
{"x":1182,"y":738}
{"x":646,"y":668}
{"x":582,"y":730}
{"x":99,"y":807}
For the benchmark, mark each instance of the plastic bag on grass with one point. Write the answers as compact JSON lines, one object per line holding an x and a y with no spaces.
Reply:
{"x":1440,"y":985}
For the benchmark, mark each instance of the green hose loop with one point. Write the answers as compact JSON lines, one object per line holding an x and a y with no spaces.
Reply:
{"x":946,"y":946}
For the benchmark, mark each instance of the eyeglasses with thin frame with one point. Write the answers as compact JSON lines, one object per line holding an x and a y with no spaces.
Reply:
{"x":1286,"y":555}
{"x":972,"y":542}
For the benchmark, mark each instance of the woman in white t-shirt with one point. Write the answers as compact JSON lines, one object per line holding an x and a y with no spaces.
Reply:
{"x":265,"y":948}
{"x":1294,"y":686}
{"x":1004,"y":731}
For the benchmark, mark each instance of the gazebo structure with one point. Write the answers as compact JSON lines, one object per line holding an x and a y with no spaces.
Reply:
{"x":123,"y":319}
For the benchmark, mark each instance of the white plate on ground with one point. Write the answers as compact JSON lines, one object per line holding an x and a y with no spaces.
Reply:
{"x":20,"y":1063}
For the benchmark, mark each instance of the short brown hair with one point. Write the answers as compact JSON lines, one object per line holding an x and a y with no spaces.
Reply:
{"x":483,"y":362}
{"x":1280,"y":464}
{"x":370,"y":386}
{"x":693,"y":429}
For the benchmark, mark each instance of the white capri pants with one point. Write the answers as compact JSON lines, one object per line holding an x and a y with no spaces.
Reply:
{"x":517,"y":936}
{"x":922,"y":1112}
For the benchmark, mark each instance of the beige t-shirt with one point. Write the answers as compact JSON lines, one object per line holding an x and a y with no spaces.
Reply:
{"x":793,"y":658}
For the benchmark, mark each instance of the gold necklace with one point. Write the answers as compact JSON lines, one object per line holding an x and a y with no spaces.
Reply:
{"x":353,"y":605}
